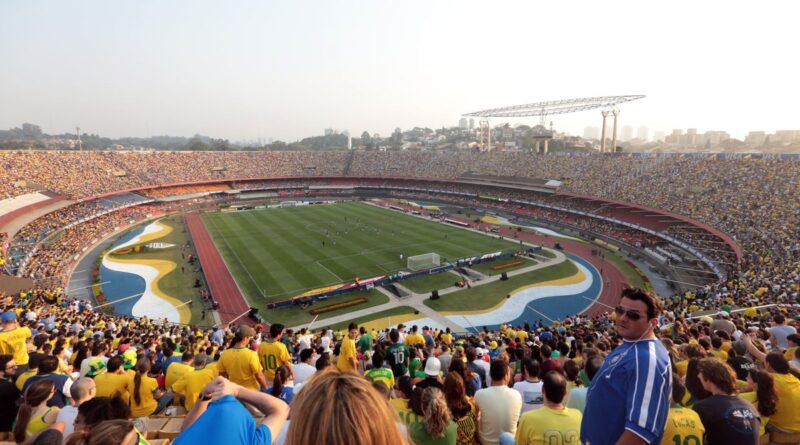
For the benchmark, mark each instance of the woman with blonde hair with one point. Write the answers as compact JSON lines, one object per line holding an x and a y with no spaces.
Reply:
{"x":109,"y":432}
{"x":336,"y":408}
{"x":34,"y":415}
{"x":437,"y":427}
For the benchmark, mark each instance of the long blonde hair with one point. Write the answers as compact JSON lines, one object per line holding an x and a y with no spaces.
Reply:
{"x":336,"y":408}
{"x":434,"y":408}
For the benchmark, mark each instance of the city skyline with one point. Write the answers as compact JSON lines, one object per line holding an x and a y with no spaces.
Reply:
{"x":258,"y":70}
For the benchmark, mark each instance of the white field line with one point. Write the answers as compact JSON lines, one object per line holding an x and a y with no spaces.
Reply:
{"x":239,"y":260}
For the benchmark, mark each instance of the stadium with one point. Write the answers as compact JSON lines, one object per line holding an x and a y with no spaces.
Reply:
{"x":487,"y":247}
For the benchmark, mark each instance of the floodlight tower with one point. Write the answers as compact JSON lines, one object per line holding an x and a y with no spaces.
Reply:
{"x":485,"y":133}
{"x":80,"y":144}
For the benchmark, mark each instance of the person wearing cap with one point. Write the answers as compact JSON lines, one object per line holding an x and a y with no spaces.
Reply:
{"x":433,"y":368}
{"x":476,"y":364}
{"x":723,"y":323}
{"x":192,"y":383}
{"x":240,"y":364}
{"x":16,"y":337}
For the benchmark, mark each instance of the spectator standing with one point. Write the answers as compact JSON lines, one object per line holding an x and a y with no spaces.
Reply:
{"x":577,"y":396}
{"x":9,"y":395}
{"x":378,"y":373}
{"x":628,"y":400}
{"x":437,"y":426}
{"x":240,"y":364}
{"x":346,"y":362}
{"x":530,"y":387}
{"x":445,"y":357}
{"x":462,"y":408}
{"x":16,"y":338}
{"x":398,"y":355}
{"x":779,"y":332}
{"x":273,"y":352}
{"x":683,"y":424}
{"x":304,"y":370}
{"x":727,"y":418}
{"x":553,"y":422}
{"x":499,"y":405}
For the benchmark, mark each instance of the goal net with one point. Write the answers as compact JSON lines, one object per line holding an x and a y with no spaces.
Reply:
{"x":424,"y":261}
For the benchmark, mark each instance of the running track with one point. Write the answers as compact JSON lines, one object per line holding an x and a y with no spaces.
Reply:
{"x":220,"y":281}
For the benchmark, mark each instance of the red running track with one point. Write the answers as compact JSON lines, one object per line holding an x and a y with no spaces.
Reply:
{"x":220,"y":281}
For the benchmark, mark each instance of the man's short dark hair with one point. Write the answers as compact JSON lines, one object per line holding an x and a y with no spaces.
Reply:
{"x":394,"y":336}
{"x":352,"y":326}
{"x":114,"y":363}
{"x":780,"y":319}
{"x":554,"y":386}
{"x":593,"y":364}
{"x":377,"y":359}
{"x":498,"y":370}
{"x":654,"y":305}
{"x":275,"y":330}
{"x":531,"y":367}
{"x":305,"y":354}
{"x":678,"y":390}
{"x":187,"y":356}
{"x":48,"y":364}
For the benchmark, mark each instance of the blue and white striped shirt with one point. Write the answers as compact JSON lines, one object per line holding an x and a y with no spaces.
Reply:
{"x":631,"y":391}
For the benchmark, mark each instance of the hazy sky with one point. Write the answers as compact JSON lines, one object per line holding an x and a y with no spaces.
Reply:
{"x":289,"y":69}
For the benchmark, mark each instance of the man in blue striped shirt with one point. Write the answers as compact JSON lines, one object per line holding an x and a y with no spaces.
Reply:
{"x":628,"y":399}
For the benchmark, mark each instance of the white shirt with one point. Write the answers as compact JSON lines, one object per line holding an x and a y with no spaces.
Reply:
{"x":531,"y":393}
{"x":303,"y":372}
{"x":500,"y":408}
{"x":67,"y":415}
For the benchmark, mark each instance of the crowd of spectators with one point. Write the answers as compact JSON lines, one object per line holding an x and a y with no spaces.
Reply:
{"x":65,"y":368}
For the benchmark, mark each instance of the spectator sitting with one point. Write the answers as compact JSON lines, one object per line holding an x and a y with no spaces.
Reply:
{"x":82,"y":390}
{"x":437,"y":426}
{"x":34,"y":413}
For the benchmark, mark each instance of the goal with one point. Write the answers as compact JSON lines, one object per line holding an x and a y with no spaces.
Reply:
{"x":424,"y":261}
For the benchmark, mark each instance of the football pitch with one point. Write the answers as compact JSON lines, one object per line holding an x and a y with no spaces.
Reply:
{"x":276,"y":254}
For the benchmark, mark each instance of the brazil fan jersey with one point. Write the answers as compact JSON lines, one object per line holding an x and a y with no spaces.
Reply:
{"x":398,"y":357}
{"x":683,"y":427}
{"x":631,"y":391}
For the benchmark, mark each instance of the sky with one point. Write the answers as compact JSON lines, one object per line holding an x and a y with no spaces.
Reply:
{"x":244,"y":70}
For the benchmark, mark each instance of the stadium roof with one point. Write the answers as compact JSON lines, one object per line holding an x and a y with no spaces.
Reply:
{"x":556,"y":106}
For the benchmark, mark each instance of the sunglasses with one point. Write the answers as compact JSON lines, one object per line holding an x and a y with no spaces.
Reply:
{"x":632,"y":314}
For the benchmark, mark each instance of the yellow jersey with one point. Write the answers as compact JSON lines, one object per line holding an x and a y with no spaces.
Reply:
{"x":273,"y":354}
{"x":413,"y":339}
{"x":148,"y":403}
{"x":24,"y":377}
{"x":347,"y":351}
{"x":109,"y":383}
{"x":175,"y":372}
{"x":192,"y":383}
{"x":17,"y":339}
{"x":547,"y":426}
{"x":787,"y":415}
{"x":683,"y":426}
{"x":241,"y":365}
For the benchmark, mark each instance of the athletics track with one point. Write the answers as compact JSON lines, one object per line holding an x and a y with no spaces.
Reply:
{"x":220,"y":281}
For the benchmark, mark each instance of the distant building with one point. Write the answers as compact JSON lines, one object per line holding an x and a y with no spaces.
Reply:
{"x":674,"y":137}
{"x":643,"y":134}
{"x":786,"y":136}
{"x":462,"y":123}
{"x":659,"y":136}
{"x":755,"y":138}
{"x":591,"y":133}
{"x":626,"y":134}
{"x":471,"y":123}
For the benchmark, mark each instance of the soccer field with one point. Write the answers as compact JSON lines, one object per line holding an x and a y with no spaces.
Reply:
{"x":277,"y":254}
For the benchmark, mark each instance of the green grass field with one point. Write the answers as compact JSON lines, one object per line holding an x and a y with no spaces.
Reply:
{"x":277,"y":254}
{"x":436,"y":281}
{"x":485,"y":297}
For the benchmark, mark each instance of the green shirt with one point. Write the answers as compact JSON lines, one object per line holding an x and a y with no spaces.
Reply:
{"x":397,"y":354}
{"x":421,"y":437}
{"x":364,"y":343}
